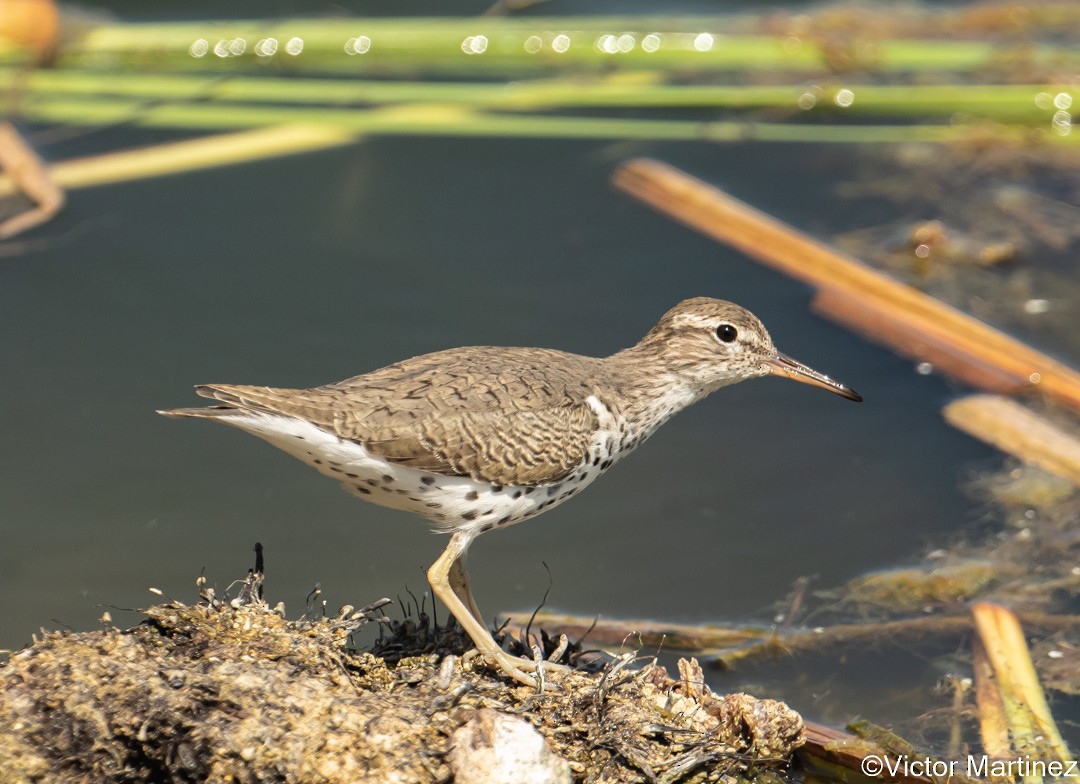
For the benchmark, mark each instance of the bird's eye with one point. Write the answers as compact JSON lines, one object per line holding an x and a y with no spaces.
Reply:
{"x":727,"y":333}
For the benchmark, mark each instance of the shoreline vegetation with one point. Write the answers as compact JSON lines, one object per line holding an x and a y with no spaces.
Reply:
{"x":229,"y":690}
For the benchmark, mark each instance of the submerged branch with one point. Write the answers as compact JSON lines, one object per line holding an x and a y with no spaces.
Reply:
{"x":730,"y":646}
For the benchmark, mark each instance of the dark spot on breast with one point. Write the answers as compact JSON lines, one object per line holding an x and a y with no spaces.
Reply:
{"x":400,"y":491}
{"x":353,"y":476}
{"x":528,"y":490}
{"x":428,"y":480}
{"x":496,"y":488}
{"x":414,"y":499}
{"x":387,"y":478}
{"x":362,"y":490}
{"x":504,"y":520}
{"x":335,"y":469}
{"x":596,"y":460}
{"x":486,"y":527}
{"x":488,"y":512}
{"x":318,"y":461}
{"x":469,"y":516}
{"x":517,"y":494}
{"x":554,"y":489}
{"x":605,"y":465}
{"x":301,"y":438}
{"x":371,"y":482}
{"x":472,"y":495}
{"x":434,"y":505}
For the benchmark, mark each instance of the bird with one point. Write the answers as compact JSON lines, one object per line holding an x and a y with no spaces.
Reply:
{"x":479,"y":438}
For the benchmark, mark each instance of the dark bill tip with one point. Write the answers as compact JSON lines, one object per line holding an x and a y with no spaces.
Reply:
{"x":786,"y":367}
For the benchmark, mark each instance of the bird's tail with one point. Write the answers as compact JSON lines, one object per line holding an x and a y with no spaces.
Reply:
{"x":209,"y":412}
{"x":236,"y":399}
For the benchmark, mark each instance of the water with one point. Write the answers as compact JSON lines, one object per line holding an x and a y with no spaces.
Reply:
{"x":310,"y":269}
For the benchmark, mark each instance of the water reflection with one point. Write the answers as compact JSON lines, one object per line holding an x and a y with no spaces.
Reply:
{"x":359,"y":45}
{"x":1062,"y":123}
{"x":475,"y":44}
{"x":266,"y":47}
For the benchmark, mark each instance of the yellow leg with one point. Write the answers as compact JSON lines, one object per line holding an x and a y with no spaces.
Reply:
{"x":450,"y":583}
{"x":458,"y":580}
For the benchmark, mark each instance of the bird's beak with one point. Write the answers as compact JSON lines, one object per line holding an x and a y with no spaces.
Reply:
{"x":785,"y":366}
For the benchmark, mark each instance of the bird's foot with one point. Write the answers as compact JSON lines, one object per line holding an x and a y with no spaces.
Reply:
{"x":527,"y":671}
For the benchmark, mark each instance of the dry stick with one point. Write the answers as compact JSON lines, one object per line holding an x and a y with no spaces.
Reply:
{"x":892,"y":312}
{"x":643,"y":634}
{"x":1019,"y":431}
{"x":1029,"y":716}
{"x":827,"y":748}
{"x":909,"y":631}
{"x":29,"y":175}
{"x":739,"y":644}
{"x":225,"y":149}
{"x":960,"y":688}
{"x":842,"y":749}
{"x":993,"y":728}
{"x":865,"y":316}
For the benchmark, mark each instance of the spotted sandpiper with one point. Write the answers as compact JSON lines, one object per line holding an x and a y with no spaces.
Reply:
{"x":481,"y":438}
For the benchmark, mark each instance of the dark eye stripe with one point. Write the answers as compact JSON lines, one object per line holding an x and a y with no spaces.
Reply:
{"x":727,"y":333}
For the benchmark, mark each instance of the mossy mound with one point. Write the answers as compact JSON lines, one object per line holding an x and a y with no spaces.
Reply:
{"x":235,"y":692}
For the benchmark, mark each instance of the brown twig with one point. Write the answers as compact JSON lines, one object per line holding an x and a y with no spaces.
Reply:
{"x":735,"y":645}
{"x":1019,"y":431}
{"x":31,"y":176}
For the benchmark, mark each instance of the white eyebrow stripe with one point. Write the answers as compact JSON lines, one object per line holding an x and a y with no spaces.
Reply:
{"x":693,"y":320}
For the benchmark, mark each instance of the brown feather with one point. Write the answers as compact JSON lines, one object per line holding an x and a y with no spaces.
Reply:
{"x":452,"y":412}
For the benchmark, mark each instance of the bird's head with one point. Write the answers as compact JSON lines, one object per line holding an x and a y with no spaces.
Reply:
{"x":712,"y":343}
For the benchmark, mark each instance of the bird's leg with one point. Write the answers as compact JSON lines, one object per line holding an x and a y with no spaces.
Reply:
{"x":450,"y":584}
{"x":458,"y":579}
{"x":439,"y":577}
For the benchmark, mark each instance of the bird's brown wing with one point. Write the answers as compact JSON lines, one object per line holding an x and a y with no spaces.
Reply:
{"x":451,"y":413}
{"x":519,"y":448}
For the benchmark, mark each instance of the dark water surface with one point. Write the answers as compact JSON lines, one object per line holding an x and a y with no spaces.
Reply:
{"x":309,"y":269}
